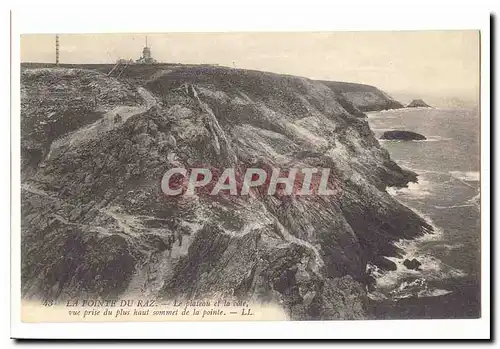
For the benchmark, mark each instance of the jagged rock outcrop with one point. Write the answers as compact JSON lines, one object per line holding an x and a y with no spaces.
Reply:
{"x":364,"y":97}
{"x":402,"y":135}
{"x":95,"y":222}
{"x":418,"y":103}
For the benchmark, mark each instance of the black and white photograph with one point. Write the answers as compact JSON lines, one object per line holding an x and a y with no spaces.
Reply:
{"x":243,"y":176}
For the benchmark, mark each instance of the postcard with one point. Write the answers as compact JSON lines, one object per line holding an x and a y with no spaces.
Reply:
{"x":169,"y":177}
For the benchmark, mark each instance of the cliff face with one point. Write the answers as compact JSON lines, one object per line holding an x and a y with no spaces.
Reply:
{"x":364,"y":97}
{"x":95,"y":222}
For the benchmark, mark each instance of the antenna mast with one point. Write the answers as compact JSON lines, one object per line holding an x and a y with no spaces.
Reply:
{"x":57,"y":49}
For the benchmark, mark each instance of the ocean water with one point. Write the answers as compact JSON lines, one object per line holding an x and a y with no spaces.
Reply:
{"x":447,"y":195}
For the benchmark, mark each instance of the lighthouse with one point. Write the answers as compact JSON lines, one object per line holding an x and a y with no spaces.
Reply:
{"x":146,"y":58}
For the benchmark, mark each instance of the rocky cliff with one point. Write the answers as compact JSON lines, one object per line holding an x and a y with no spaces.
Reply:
{"x":95,"y":222}
{"x":364,"y":97}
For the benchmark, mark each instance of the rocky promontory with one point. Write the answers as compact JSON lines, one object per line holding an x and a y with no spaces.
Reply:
{"x":364,"y":97}
{"x":95,"y":222}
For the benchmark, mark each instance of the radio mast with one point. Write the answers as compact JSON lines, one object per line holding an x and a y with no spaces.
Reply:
{"x":57,"y":50}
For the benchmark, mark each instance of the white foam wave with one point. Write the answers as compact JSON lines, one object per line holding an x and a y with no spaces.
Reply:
{"x":453,"y":246}
{"x":433,"y":293}
{"x":453,"y":206}
{"x":468,"y":176}
{"x":418,"y":287}
{"x":402,"y":282}
{"x":431,"y":269}
{"x":408,"y":166}
{"x":475,"y":200}
{"x":434,"y":139}
{"x":414,"y":190}
{"x":378,"y":114}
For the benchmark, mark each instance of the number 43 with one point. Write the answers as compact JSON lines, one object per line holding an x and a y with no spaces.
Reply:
{"x":48,"y":303}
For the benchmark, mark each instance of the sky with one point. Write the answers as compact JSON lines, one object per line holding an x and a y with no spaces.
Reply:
{"x":406,"y":64}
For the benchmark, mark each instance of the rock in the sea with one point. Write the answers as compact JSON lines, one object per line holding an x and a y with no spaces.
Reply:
{"x":402,"y":135}
{"x":413,"y":264}
{"x":418,"y":103}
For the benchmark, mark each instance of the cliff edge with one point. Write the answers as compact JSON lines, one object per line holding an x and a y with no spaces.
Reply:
{"x":364,"y":97}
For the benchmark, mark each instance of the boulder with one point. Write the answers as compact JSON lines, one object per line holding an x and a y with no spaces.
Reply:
{"x":413,"y":264}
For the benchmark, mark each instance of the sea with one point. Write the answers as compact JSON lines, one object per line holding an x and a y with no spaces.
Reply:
{"x":447,"y":195}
